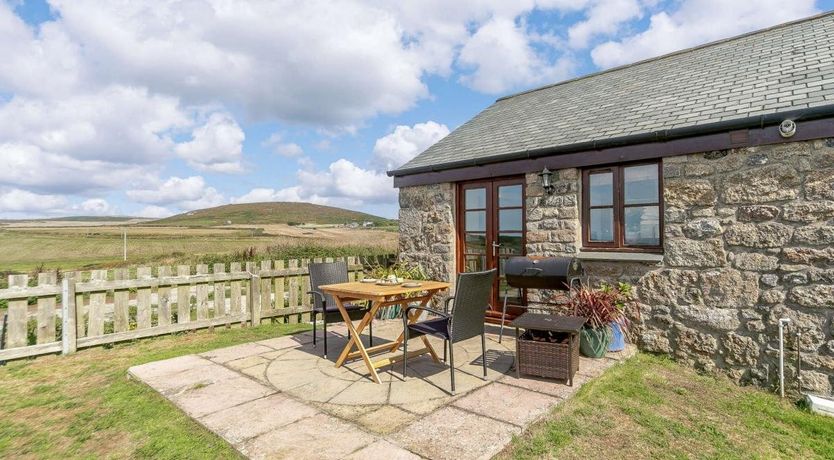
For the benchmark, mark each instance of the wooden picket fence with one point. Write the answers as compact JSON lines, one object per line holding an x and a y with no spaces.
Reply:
{"x":85,"y":309}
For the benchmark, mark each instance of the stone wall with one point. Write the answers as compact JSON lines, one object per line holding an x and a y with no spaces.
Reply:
{"x":427,"y":229}
{"x":749,"y":239}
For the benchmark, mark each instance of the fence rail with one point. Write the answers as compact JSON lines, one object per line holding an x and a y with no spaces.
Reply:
{"x":85,"y":309}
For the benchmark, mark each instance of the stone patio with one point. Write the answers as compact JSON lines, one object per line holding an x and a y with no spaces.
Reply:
{"x":279,"y":398}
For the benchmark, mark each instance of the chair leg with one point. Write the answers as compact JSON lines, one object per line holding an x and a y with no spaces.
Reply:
{"x":314,"y":329}
{"x":324,"y":317}
{"x":371,"y":332}
{"x":483,"y":351}
{"x":405,"y":352}
{"x":445,"y":345}
{"x":503,"y":318}
{"x":452,"y":365}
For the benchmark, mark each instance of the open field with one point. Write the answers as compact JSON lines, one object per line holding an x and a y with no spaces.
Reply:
{"x":651,"y":407}
{"x":74,"y":247}
{"x":83,"y":405}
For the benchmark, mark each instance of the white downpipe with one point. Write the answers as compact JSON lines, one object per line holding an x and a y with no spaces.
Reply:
{"x":782,"y":323}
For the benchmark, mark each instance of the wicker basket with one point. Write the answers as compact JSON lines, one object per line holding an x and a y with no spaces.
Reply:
{"x":555,"y":360}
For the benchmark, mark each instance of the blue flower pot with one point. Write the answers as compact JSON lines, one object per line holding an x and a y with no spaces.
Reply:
{"x":617,"y":338}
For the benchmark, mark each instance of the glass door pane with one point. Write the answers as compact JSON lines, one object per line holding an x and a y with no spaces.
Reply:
{"x":476,"y":240}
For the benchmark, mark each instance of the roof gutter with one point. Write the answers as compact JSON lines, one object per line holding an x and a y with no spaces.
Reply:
{"x":759,"y":121}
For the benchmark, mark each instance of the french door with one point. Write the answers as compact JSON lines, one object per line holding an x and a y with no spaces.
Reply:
{"x":490,"y":230}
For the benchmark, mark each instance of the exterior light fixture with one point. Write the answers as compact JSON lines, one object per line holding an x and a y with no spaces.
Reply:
{"x":545,"y":176}
{"x":787,"y":128}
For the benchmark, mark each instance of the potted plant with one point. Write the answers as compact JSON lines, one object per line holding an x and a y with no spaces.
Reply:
{"x":624,"y":298}
{"x":600,"y":308}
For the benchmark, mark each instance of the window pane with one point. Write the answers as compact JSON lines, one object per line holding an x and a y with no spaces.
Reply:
{"x":602,"y":189}
{"x":640,"y":184}
{"x":474,"y":263}
{"x":642,"y":225}
{"x":510,"y":244}
{"x":475,"y":243}
{"x":475,"y":221}
{"x":602,"y":225}
{"x":509,"y":196}
{"x":510,"y":220}
{"x":475,"y":198}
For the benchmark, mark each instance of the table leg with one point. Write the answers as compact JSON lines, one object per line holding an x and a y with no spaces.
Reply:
{"x":355,"y":338}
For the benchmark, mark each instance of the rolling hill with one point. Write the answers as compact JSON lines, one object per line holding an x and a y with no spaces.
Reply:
{"x":268,"y":213}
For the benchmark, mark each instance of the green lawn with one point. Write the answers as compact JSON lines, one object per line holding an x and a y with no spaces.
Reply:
{"x":83,"y":406}
{"x":651,"y":407}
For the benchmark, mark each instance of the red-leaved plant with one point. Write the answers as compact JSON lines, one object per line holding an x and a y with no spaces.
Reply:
{"x":603,"y":306}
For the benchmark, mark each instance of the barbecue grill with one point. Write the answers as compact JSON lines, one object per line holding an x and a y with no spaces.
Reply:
{"x":553,"y":273}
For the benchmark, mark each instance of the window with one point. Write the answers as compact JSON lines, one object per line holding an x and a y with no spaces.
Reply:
{"x":622,"y":207}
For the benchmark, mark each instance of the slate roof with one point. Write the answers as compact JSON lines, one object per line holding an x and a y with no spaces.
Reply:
{"x":783,"y":68}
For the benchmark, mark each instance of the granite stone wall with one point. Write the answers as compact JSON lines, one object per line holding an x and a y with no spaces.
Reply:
{"x":749,"y":239}
{"x":427,"y":229}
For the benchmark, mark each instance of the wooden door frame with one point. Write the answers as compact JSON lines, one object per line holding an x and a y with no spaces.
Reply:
{"x":491,"y":230}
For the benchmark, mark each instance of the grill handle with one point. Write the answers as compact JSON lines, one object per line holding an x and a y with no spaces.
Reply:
{"x":531,"y":271}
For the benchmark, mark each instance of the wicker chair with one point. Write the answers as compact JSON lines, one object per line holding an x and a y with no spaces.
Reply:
{"x":323,"y":304}
{"x":471,"y":301}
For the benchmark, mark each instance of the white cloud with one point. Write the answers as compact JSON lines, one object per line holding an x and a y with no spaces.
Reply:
{"x":285,"y":149}
{"x":216,"y":146}
{"x":183,"y":193}
{"x":30,"y":167}
{"x":405,"y":142}
{"x":154,"y":212}
{"x":117,"y":124}
{"x":342,"y":184}
{"x":13,"y":200}
{"x":502,"y":55}
{"x":696,"y":22}
{"x":604,"y":17}
{"x":311,"y":62}
{"x":96,"y":207}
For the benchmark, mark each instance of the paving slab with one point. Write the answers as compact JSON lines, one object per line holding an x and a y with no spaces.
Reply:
{"x":383,"y":449}
{"x":454,"y":434}
{"x":386,"y":419}
{"x":550,"y":387}
{"x":508,"y":403}
{"x":243,"y":363}
{"x":167,"y":366}
{"x":316,"y":437}
{"x":257,"y":372}
{"x":242,"y":422}
{"x":222,"y":355}
{"x":203,"y":399}
{"x":200,"y":375}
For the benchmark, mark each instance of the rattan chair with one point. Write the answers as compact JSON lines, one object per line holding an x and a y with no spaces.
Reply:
{"x":473,"y":292}
{"x":323,"y":304}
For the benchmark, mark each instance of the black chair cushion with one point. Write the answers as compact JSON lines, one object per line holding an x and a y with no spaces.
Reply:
{"x":438,"y":327}
{"x":335,"y":309}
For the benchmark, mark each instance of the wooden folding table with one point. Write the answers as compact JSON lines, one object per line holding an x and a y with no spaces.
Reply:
{"x":381,"y":296}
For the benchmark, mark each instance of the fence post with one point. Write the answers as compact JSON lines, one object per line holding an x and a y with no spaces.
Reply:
{"x":254,"y":298}
{"x":68,"y":315}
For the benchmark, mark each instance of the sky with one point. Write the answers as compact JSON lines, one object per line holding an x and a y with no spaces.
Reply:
{"x":152,"y":108}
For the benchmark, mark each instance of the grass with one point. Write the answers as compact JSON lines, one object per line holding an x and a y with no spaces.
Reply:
{"x":73,"y":248}
{"x":83,"y":406}
{"x":651,"y":407}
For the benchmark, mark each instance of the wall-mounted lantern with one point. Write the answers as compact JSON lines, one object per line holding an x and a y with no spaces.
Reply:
{"x":545,"y":177}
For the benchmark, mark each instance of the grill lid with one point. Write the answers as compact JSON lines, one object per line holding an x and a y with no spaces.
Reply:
{"x":542,"y":272}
